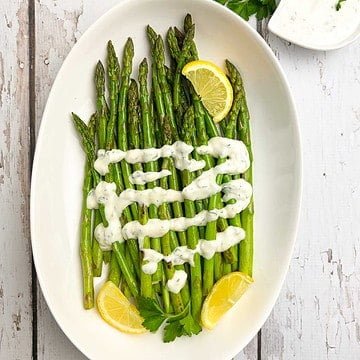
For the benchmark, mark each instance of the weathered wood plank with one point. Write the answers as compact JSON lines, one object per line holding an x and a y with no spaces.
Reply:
{"x":250,"y":352}
{"x":58,"y":26}
{"x":317,"y":314}
{"x":15,"y":253}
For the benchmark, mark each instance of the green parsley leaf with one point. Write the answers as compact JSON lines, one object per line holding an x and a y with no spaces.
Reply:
{"x":177,"y":325}
{"x":246,"y":8}
{"x":172,"y":330}
{"x":190,"y":326}
{"x":148,"y":307}
{"x":186,"y":326}
{"x":153,"y":323}
{"x":151,"y":313}
{"x":338,"y":5}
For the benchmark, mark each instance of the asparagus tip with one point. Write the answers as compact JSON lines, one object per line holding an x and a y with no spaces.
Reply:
{"x":99,"y":65}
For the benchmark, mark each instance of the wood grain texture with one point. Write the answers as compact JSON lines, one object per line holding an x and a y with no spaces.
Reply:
{"x":58,"y":26}
{"x":250,"y":352}
{"x":317,"y":314}
{"x":55,"y":35}
{"x":15,"y":254}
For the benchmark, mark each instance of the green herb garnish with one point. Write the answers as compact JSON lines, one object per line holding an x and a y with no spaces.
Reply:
{"x":338,"y":5}
{"x":245,"y":8}
{"x":176,"y":325}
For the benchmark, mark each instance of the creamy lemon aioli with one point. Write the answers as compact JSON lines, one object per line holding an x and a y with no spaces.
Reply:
{"x":105,"y":193}
{"x":179,"y":151}
{"x":317,"y":22}
{"x":142,"y":178}
{"x":177,"y":282}
{"x":236,"y":161}
{"x":182,"y":254}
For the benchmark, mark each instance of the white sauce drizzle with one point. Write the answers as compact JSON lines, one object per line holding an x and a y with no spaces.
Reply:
{"x":105,"y":193}
{"x":179,"y":151}
{"x":177,"y":282}
{"x":182,"y":254}
{"x":236,"y":161}
{"x":142,"y":178}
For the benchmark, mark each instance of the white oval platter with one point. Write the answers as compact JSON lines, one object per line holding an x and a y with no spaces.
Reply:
{"x":58,"y":171}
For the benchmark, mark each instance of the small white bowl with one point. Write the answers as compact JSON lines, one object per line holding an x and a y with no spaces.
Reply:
{"x":299,"y":23}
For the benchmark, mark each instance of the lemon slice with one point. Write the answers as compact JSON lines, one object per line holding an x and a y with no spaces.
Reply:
{"x":117,"y":310}
{"x":225,"y":293}
{"x":212,"y":85}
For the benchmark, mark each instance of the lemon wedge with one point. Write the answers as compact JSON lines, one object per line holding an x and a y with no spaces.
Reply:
{"x":117,"y":310}
{"x":212,"y":85}
{"x":224,"y":294}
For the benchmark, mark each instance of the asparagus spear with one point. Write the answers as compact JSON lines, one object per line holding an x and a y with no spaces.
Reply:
{"x":231,"y":132}
{"x":168,"y":308}
{"x":173,"y":183}
{"x":159,"y":59}
{"x":100,"y":123}
{"x":113,"y":72}
{"x":147,"y":130}
{"x":134,"y":143}
{"x":122,"y":116}
{"x":243,"y":125}
{"x":177,"y":300}
{"x":123,"y":143}
{"x":175,"y":53}
{"x":179,"y":36}
{"x":101,"y":106}
{"x":182,"y":59}
{"x":188,"y":23}
{"x":114,"y":272}
{"x":86,"y":244}
{"x":192,"y":232}
{"x":97,"y":253}
{"x":107,"y":256}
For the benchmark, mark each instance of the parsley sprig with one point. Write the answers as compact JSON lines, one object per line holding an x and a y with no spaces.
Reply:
{"x":338,"y":5}
{"x":177,"y":325}
{"x":245,"y":8}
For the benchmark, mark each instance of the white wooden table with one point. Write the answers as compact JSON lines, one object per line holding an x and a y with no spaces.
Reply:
{"x":317,"y":314}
